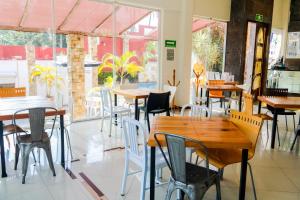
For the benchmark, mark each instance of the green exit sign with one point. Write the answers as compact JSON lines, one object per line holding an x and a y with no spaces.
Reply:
{"x":170,"y":43}
{"x":259,"y":18}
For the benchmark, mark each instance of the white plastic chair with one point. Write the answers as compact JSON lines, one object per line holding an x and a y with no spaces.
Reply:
{"x":138,"y":153}
{"x":110,"y":109}
{"x":172,"y":90}
{"x":197,"y":112}
{"x":225,"y":76}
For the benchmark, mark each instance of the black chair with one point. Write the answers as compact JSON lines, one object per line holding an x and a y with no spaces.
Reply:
{"x":280,"y":92}
{"x":192,"y":180}
{"x":157,"y":103}
{"x":297,"y":133}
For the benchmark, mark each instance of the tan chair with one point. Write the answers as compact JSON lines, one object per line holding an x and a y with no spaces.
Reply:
{"x":10,"y":128}
{"x":248,"y":108}
{"x":13,"y":92}
{"x":216,"y":94}
{"x":220,"y":158}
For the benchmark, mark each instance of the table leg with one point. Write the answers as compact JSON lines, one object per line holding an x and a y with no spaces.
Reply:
{"x":116,"y":104}
{"x":152,"y":174}
{"x":62,"y":136}
{"x":136,"y":109}
{"x":274,"y":126}
{"x":207,"y":101}
{"x":243,"y":175}
{"x":3,"y":166}
{"x":240,"y":102}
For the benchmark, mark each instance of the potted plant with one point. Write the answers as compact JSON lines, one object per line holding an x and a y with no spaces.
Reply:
{"x":124,"y":66}
{"x":46,"y":75}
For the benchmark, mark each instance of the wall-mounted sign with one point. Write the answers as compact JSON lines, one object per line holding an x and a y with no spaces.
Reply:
{"x":170,"y":54}
{"x":170,"y":43}
{"x":259,"y":18}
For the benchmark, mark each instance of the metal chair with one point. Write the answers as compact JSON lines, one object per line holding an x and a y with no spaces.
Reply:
{"x":297,"y":133}
{"x":137,"y":153}
{"x":197,"y":112}
{"x":110,"y":109}
{"x":37,"y":138}
{"x":192,"y":180}
{"x":220,"y":158}
{"x":172,"y":90}
{"x":216,"y":94}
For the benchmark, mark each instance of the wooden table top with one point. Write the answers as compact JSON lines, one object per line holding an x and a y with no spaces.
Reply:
{"x":230,"y":83}
{"x":224,"y":87}
{"x":213,"y":132}
{"x":8,"y":106}
{"x":281,"y":102}
{"x":135,"y":93}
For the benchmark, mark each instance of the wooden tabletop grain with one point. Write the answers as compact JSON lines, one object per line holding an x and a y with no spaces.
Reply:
{"x":8,"y":106}
{"x":281,"y":102}
{"x":213,"y":132}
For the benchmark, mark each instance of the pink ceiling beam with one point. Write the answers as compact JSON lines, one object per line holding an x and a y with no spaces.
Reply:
{"x":11,"y":12}
{"x":200,"y":24}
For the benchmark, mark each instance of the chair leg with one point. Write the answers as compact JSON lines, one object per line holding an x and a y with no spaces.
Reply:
{"x":218,"y":188}
{"x":286,"y":124}
{"x":294,"y":123}
{"x":8,"y":142}
{"x":278,"y":134}
{"x":143,"y":183}
{"x":124,"y":179}
{"x":169,"y":191}
{"x":221,"y":173}
{"x":292,"y":147}
{"x":17,"y":153}
{"x":148,"y":122}
{"x":47,"y":149}
{"x":69,"y":142}
{"x":25,"y":159}
{"x":110,"y":125}
{"x":252,"y":181}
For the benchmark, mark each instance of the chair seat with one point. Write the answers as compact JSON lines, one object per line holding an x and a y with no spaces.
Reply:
{"x":222,"y":157}
{"x":27,"y":139}
{"x":264,"y":116}
{"x":11,"y":129}
{"x":197,"y":175}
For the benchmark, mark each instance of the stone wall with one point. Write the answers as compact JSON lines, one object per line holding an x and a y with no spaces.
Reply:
{"x":93,"y":50}
{"x":30,"y":58}
{"x":76,"y":75}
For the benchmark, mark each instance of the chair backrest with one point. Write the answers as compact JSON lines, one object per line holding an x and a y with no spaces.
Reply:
{"x":277,"y":92}
{"x":216,"y":83}
{"x":13,"y":92}
{"x":36,"y":117}
{"x":248,"y":106}
{"x":210,"y":75}
{"x":197,"y":111}
{"x":249,"y":124}
{"x":158,"y":101}
{"x":217,"y":76}
{"x":131,"y":129}
{"x":177,"y":154}
{"x":106,"y":100}
{"x":225,"y":76}
{"x":172,"y":90}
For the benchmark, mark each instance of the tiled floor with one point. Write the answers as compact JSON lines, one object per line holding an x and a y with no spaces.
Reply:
{"x":276,"y":172}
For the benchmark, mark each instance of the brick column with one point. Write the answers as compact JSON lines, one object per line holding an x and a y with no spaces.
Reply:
{"x":30,"y":58}
{"x":76,"y":74}
{"x":93,"y":50}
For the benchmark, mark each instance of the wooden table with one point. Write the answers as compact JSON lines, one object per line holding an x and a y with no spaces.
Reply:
{"x":223,"y":88}
{"x":8,"y":106}
{"x":135,"y":94}
{"x":277,"y":103}
{"x":224,"y":135}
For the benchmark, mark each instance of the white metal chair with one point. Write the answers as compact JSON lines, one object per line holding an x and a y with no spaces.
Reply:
{"x":139,"y":154}
{"x":110,"y":109}
{"x":172,"y":90}
{"x":197,"y":112}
